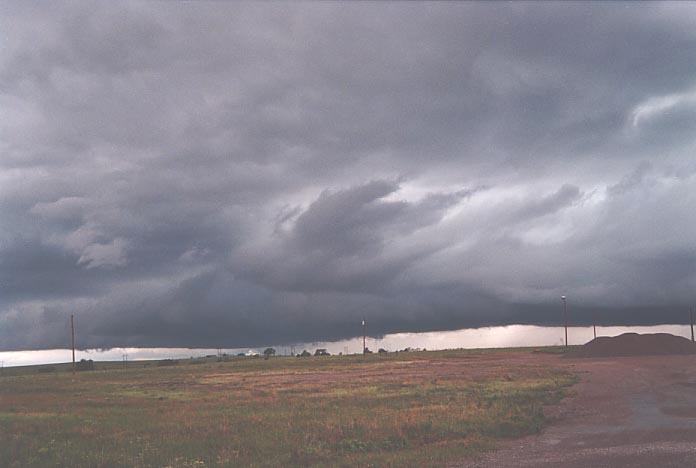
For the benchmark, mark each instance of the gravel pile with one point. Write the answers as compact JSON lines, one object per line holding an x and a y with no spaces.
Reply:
{"x":634,"y":344}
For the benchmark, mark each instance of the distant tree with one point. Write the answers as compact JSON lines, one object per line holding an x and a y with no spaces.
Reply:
{"x":382,"y":350}
{"x":322,"y":352}
{"x":84,"y":365}
{"x":367,"y":350}
{"x":304,"y":353}
{"x":268,"y":352}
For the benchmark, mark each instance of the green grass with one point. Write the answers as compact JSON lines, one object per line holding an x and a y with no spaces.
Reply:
{"x":406,"y":409}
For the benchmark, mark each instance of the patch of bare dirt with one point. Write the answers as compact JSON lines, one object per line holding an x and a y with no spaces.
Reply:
{"x":625,"y":412}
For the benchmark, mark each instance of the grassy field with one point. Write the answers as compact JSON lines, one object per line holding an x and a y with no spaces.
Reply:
{"x":405,"y":409}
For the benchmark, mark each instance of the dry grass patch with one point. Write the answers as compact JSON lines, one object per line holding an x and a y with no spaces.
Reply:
{"x":411,"y":409}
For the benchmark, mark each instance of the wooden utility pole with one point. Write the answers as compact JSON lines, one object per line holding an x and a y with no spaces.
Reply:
{"x":691,"y":321}
{"x":594,"y":326}
{"x":72,"y":335}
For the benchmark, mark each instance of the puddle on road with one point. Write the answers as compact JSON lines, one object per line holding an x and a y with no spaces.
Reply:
{"x":647,"y":413}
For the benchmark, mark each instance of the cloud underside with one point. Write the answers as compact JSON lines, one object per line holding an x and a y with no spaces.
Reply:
{"x":249,"y":174}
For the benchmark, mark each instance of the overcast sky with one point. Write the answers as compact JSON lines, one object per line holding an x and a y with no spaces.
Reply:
{"x":228,"y":174}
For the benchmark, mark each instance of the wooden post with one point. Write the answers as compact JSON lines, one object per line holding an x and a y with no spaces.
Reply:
{"x":691,"y":321}
{"x":72,"y":335}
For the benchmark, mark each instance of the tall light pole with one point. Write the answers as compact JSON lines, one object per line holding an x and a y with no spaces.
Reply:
{"x":565,"y":318}
{"x":363,"y":325}
{"x":72,"y":339}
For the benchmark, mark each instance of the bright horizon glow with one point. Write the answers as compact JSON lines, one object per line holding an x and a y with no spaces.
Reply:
{"x":510,"y":336}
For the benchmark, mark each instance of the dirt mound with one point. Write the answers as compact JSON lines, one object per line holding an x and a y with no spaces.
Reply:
{"x":634,"y":344}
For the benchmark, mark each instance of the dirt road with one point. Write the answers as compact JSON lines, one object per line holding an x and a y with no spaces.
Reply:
{"x":625,"y":412}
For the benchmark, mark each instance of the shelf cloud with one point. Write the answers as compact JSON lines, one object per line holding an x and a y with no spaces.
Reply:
{"x":236,"y":175}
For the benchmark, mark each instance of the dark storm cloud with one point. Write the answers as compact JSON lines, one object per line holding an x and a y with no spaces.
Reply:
{"x":243,"y":174}
{"x":344,"y":241}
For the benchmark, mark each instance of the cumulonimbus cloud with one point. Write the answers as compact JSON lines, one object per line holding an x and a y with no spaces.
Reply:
{"x":245,"y":174}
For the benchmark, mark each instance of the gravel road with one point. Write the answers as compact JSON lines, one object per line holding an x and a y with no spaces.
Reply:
{"x":625,"y":412}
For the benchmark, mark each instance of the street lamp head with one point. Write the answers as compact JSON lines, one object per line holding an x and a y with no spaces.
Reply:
{"x":563,"y":298}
